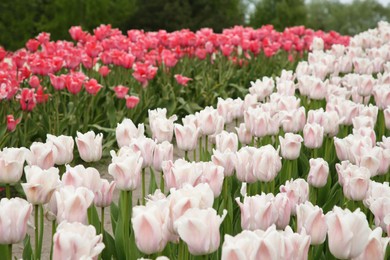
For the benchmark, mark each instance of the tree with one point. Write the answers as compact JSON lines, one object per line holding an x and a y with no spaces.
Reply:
{"x":280,"y":13}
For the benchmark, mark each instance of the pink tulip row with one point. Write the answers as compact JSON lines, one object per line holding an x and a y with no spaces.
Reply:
{"x":265,"y":217}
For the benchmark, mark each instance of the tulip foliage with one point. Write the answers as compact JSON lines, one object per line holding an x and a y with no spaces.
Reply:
{"x":298,"y":168}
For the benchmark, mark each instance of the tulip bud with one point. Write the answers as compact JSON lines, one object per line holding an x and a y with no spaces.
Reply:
{"x":318,"y":174}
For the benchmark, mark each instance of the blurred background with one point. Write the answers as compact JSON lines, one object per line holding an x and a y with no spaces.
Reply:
{"x":21,"y":20}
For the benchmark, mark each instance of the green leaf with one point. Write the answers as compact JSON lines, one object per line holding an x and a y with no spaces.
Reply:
{"x":109,"y":251}
{"x":152,"y":184}
{"x":27,"y":250}
{"x":119,"y":239}
{"x":101,"y":128}
{"x":93,"y":217}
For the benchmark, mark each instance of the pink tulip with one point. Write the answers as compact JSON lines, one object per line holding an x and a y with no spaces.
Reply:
{"x":290,"y":146}
{"x":103,"y":195}
{"x":297,"y":245}
{"x":208,"y":120}
{"x":76,"y":241}
{"x":179,"y":173}
{"x":355,"y":181}
{"x":121,"y":91}
{"x":72,"y":203}
{"x":375,"y":191}
{"x":380,"y":207}
{"x":297,"y":191}
{"x":14,"y":214}
{"x":318,"y":174}
{"x":262,"y":88}
{"x":182,"y":80}
{"x":313,"y":135}
{"x":146,"y":147}
{"x":348,"y":232}
{"x":226,"y":141}
{"x":126,"y":131}
{"x":11,"y":164}
{"x":312,"y":220}
{"x":205,"y":223}
{"x":160,"y":125}
{"x":227,"y":109}
{"x":226,"y":160}
{"x":63,"y":148}
{"x":267,"y":163}
{"x":258,"y":212}
{"x":186,"y":136}
{"x":244,"y":134}
{"x":240,"y":246}
{"x":283,"y":207}
{"x":250,"y":100}
{"x":89,"y":146}
{"x":212,"y":175}
{"x":42,"y":155}
{"x":131,"y":101}
{"x":376,"y":246}
{"x":244,"y":164}
{"x":150,"y":227}
{"x":294,"y":120}
{"x":162,"y":152}
{"x":12,"y":123}
{"x":126,"y":170}
{"x":41,"y":184}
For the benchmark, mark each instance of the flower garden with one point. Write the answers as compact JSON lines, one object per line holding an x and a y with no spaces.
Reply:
{"x":245,"y":144}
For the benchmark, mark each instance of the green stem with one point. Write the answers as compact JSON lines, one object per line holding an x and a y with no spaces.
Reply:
{"x":194,"y":157}
{"x":143,"y":187}
{"x":102,"y":228}
{"x":36,"y":221}
{"x":9,"y":251}
{"x":200,"y":149}
{"x":186,"y":156}
{"x":162,"y":184}
{"x":8,"y":190}
{"x":207,"y":143}
{"x":41,"y":227}
{"x":53,"y":231}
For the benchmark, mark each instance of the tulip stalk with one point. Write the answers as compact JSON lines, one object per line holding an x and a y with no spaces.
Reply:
{"x":162,"y":184}
{"x":9,"y":251}
{"x":8,"y":190}
{"x":53,"y":231}
{"x":101,"y":228}
{"x":39,"y":225}
{"x":143,"y":187}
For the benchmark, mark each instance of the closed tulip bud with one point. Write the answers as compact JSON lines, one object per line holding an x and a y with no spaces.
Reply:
{"x":258,"y":212}
{"x":313,"y":135}
{"x":150,"y":227}
{"x":313,"y":221}
{"x":160,"y":125}
{"x":126,"y":131}
{"x":63,"y":148}
{"x":283,"y":206}
{"x":73,"y":203}
{"x":226,"y":160}
{"x":290,"y":146}
{"x":244,"y":134}
{"x":11,"y":164}
{"x":226,"y":141}
{"x":14,"y":214}
{"x":40,"y":184}
{"x":186,"y":136}
{"x":267,"y":163}
{"x":42,"y":155}
{"x":203,"y":222}
{"x":348,"y":232}
{"x":89,"y":146}
{"x":318,"y":174}
{"x":297,"y":192}
{"x":126,"y":170}
{"x":162,"y":152}
{"x":76,"y":241}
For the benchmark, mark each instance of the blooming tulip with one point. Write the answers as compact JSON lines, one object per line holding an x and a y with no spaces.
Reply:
{"x":244,"y":164}
{"x":72,"y":203}
{"x":126,"y":131}
{"x":376,"y":246}
{"x":186,"y":136}
{"x":258,"y":212}
{"x":226,"y":141}
{"x":162,"y":152}
{"x":14,"y":214}
{"x":297,"y":191}
{"x":76,"y":241}
{"x":63,"y":148}
{"x":244,"y":134}
{"x":42,"y":155}
{"x":146,"y":147}
{"x":160,"y":125}
{"x":283,"y":207}
{"x":318,"y":174}
{"x":11,"y":164}
{"x":126,"y":170}
{"x":348,"y":232}
{"x":267,"y":163}
{"x":226,"y":160}
{"x":40,"y":184}
{"x":313,"y":221}
{"x":313,"y":135}
{"x":203,"y":222}
{"x":89,"y":146}
{"x":290,"y":146}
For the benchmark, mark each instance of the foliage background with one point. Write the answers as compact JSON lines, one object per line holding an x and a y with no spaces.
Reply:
{"x":21,"y":20}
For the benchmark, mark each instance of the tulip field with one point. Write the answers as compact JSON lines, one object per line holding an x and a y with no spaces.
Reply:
{"x":245,"y":144}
